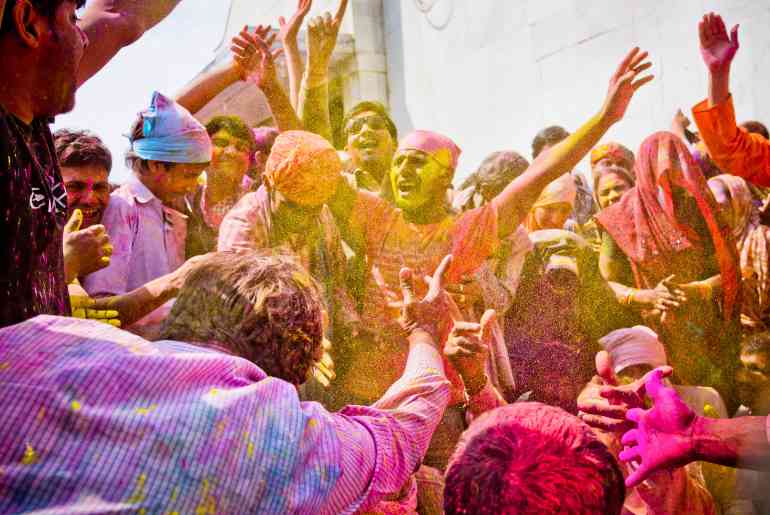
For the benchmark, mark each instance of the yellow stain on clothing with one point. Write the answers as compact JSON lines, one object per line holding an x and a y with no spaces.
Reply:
{"x":40,"y":414}
{"x":219,"y":430}
{"x":138,"y":495}
{"x":30,"y":456}
{"x":249,"y":445}
{"x":75,"y":405}
{"x":312,"y":423}
{"x":208,"y":505}
{"x":146,"y":411}
{"x":214,"y":392}
{"x":5,"y":365}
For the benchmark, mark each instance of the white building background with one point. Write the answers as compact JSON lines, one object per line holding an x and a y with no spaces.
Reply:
{"x":491,"y":73}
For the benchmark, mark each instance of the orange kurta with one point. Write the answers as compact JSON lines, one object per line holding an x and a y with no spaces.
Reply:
{"x":733,"y":149}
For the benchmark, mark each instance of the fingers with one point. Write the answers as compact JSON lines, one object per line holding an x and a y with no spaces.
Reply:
{"x":619,"y":396}
{"x":304,"y":7}
{"x":461,"y":327}
{"x":603,"y":409}
{"x":623,"y":67}
{"x":81,"y":301}
{"x":637,"y":60}
{"x":340,"y":12}
{"x":604,"y":423}
{"x":654,"y":385}
{"x":630,"y":438}
{"x":74,"y":222}
{"x":281,"y":21}
{"x":101,"y":314}
{"x":637,"y":477}
{"x":702,"y":32}
{"x":658,"y":375}
{"x":604,"y":370}
{"x":635,"y":415}
{"x":488,"y":321}
{"x":630,"y":454}
{"x":439,"y":280}
{"x":734,"y":37}
{"x":406,"y":282}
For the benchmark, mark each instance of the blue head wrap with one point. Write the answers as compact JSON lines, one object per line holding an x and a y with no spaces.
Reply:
{"x":171,"y":134}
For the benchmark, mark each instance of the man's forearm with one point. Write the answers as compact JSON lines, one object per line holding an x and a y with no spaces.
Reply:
{"x":136,"y":304}
{"x":519,"y":196}
{"x":205,"y":87}
{"x":294,"y":70}
{"x":314,"y":107}
{"x":719,"y":87}
{"x":737,"y":442}
{"x":113,"y":24}
{"x":280,"y":106}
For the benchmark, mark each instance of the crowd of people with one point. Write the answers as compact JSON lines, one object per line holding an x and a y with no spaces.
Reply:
{"x":259,"y":321}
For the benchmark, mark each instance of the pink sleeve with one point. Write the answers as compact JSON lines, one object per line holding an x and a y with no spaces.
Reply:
{"x":474,"y":239}
{"x":237,"y":230}
{"x":121,"y":220}
{"x":383,"y":445}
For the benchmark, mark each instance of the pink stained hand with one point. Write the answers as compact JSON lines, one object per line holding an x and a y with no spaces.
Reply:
{"x":253,"y":55}
{"x":624,"y":83}
{"x":433,"y":313}
{"x":662,"y":437}
{"x":716,"y":47}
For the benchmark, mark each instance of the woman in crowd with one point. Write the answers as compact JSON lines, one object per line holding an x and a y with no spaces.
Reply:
{"x":665,"y":243}
{"x":554,"y":205}
{"x":753,"y":239}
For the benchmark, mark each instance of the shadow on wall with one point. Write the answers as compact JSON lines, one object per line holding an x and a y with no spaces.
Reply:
{"x":394,"y":31}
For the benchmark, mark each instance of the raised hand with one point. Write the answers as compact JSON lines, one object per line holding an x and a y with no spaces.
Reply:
{"x":322,"y":38}
{"x":624,"y":83}
{"x":716,"y":47}
{"x":287,"y":33}
{"x":467,"y":349}
{"x":433,"y":313}
{"x":663,"y":435}
{"x":253,"y":55}
{"x":85,"y":250}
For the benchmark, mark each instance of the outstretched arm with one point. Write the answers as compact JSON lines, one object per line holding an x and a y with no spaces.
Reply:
{"x":735,"y":151}
{"x":113,"y":24}
{"x":517,"y":198}
{"x":252,"y":53}
{"x":314,"y":97}
{"x":288,"y":37}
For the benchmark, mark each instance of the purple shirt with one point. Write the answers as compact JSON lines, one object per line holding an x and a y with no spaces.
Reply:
{"x":33,"y":211}
{"x":97,"y":419}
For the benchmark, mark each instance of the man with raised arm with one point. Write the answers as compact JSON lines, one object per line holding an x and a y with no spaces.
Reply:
{"x":734,"y":149}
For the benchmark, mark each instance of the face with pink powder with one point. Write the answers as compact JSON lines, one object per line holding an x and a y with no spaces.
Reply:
{"x":88,"y":190}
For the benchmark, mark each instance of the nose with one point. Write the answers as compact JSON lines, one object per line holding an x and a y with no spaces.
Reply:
{"x":83,"y":36}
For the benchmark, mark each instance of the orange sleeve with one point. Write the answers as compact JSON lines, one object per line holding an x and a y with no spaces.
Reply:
{"x":474,"y":239}
{"x":734,"y":150}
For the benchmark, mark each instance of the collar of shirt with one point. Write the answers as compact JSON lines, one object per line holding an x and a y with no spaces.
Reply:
{"x":140,"y":192}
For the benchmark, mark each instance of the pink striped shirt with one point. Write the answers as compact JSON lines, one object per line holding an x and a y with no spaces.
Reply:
{"x":97,"y":419}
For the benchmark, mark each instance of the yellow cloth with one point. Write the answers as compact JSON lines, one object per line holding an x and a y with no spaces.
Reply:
{"x":560,"y":191}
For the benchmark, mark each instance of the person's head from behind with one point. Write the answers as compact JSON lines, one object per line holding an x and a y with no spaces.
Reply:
{"x":85,"y":167}
{"x":261,"y":307}
{"x":233,"y":147}
{"x":422,"y":171}
{"x":755,"y":127}
{"x":612,"y":167}
{"x":530,"y":458}
{"x":547,"y":138}
{"x":169,"y":149}
{"x":370,"y":137}
{"x":495,"y":173}
{"x":42,"y":43}
{"x":753,"y":375}
{"x":554,"y":205}
{"x":734,"y":202}
{"x":301,"y":175}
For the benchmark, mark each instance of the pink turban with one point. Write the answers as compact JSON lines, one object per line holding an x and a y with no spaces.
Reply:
{"x":304,"y":168}
{"x":638,"y":345}
{"x":439,"y":147}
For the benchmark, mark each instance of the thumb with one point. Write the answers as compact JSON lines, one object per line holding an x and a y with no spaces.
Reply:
{"x":407,"y":285}
{"x":734,"y":36}
{"x":488,"y":323}
{"x":604,"y":368}
{"x":75,"y":221}
{"x":281,"y":21}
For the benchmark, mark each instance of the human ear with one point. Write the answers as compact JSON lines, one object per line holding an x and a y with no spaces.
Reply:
{"x":29,"y":23}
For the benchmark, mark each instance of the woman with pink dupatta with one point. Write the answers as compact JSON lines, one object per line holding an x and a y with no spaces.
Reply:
{"x":665,"y":244}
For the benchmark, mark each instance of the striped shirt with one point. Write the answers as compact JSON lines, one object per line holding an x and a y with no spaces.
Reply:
{"x":99,"y":420}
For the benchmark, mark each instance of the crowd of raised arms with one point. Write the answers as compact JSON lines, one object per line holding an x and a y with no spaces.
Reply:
{"x":259,"y":321}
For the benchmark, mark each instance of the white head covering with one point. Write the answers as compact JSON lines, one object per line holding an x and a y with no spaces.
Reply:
{"x":638,"y":345}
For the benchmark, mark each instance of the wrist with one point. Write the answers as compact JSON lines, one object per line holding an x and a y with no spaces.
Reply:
{"x":315,"y":77}
{"x":474,"y":384}
{"x":697,"y":440}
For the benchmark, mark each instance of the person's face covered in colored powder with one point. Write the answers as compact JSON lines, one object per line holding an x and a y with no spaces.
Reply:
{"x":61,"y":53}
{"x":753,"y":381}
{"x":369,"y":143}
{"x":611,"y":186}
{"x":88,"y":190}
{"x":171,"y":181}
{"x":230,"y":158}
{"x":552,"y":216}
{"x":418,"y":180}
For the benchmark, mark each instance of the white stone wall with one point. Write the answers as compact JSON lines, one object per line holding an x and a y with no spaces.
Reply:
{"x":491,"y":73}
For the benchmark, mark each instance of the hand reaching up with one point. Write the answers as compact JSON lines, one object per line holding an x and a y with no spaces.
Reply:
{"x":663,"y":435}
{"x":434,"y":313}
{"x":322,"y":38}
{"x":254,"y":56}
{"x":624,"y":83}
{"x":467,"y":349}
{"x":716,"y":47}
{"x":288,"y":31}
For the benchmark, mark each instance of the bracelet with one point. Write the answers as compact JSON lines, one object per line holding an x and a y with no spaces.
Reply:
{"x":629,"y":297}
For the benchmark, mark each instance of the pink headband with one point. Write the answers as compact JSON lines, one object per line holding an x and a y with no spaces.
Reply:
{"x":439,"y":147}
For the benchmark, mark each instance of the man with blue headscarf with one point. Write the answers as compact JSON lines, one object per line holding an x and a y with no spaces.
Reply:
{"x":169,"y":150}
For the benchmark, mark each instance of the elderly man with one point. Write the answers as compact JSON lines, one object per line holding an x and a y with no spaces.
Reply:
{"x":212,"y":424}
{"x":44,"y":57}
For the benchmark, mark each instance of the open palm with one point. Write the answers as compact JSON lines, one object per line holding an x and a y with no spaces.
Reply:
{"x":716,"y":47}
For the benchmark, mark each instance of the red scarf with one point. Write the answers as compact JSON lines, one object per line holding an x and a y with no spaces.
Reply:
{"x":645,"y":226}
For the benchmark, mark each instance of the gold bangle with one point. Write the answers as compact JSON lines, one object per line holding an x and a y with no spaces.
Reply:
{"x":629,"y":297}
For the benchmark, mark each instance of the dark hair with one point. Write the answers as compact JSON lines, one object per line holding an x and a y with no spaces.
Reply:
{"x":235,"y":126}
{"x":756,"y":127}
{"x":496,"y":172}
{"x":262,"y":307}
{"x":81,"y":148}
{"x":376,"y":107}
{"x":757,"y":343}
{"x":548,"y":136}
{"x":528,"y":457}
{"x":45,"y":7}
